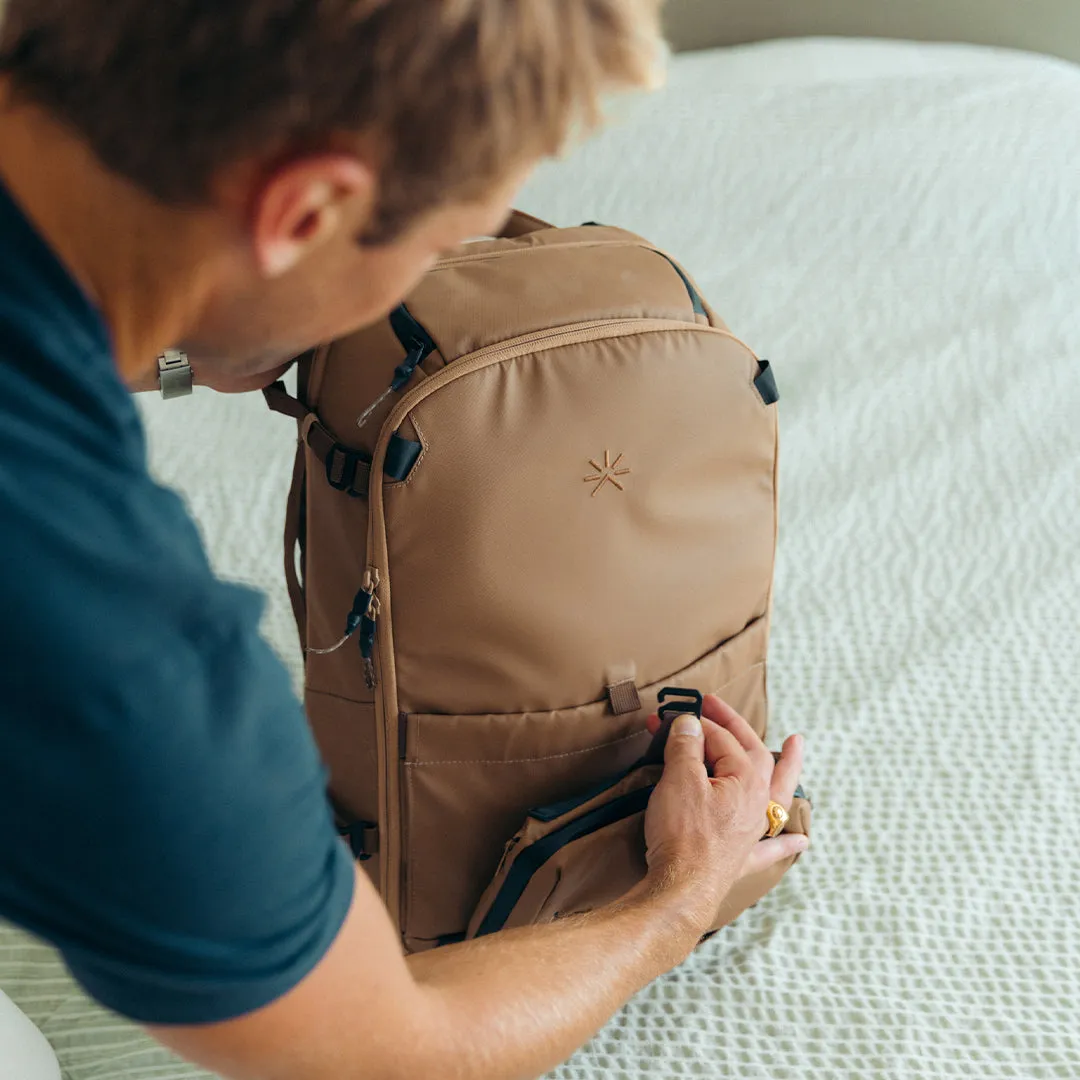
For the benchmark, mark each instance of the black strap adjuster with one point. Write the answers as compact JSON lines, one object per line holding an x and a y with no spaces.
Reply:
{"x":363,"y":838}
{"x":348,"y":470}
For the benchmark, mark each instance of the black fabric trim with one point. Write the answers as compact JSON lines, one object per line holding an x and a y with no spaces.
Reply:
{"x":695,"y":297}
{"x":532,"y":858}
{"x":766,"y":383}
{"x":450,"y":939}
{"x":401,"y":455}
{"x":557,"y":809}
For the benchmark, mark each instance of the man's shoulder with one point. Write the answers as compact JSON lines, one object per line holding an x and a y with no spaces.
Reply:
{"x":84,"y":521}
{"x":104,"y":579}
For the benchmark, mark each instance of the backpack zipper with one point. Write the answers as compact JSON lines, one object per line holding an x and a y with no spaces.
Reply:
{"x":381,"y":663}
{"x":549,"y":339}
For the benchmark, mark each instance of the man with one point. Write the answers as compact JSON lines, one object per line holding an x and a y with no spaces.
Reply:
{"x":245,"y":179}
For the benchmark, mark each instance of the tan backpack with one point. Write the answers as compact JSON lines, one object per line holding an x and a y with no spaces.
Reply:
{"x":538,"y":494}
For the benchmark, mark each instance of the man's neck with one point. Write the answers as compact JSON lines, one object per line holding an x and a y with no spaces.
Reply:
{"x":142,"y":264}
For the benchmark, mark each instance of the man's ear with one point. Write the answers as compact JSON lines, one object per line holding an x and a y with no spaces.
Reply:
{"x":304,"y":203}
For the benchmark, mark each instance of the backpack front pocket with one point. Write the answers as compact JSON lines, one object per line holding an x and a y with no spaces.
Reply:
{"x":584,"y":858}
{"x":459,"y":809}
{"x":591,"y":856}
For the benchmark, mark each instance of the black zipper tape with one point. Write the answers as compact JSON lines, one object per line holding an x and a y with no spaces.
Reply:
{"x":695,"y":296}
{"x":534,"y":857}
{"x":558,"y":809}
{"x":401,"y":455}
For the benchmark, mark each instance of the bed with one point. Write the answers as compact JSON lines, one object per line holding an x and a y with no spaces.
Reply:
{"x":897,"y":227}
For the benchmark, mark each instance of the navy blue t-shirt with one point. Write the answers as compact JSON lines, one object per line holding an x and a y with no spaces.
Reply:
{"x":163,"y":811}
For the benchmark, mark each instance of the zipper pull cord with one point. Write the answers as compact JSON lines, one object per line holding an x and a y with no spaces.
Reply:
{"x":402,"y":374}
{"x":366,"y":415}
{"x":355,"y":618}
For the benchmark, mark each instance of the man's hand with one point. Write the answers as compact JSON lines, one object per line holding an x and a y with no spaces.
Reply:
{"x":705,"y":830}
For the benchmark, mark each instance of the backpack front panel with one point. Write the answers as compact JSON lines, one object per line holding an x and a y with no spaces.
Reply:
{"x":605,"y":503}
{"x":524,"y":571}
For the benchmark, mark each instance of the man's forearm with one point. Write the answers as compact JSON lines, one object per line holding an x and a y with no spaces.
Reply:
{"x":507,"y":1007}
{"x":516,"y":1004}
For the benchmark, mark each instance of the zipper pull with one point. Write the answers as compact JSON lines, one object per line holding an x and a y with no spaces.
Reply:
{"x":404,"y":371}
{"x":367,"y":627}
{"x":418,"y":346}
{"x":367,"y":649}
{"x":416,"y":342}
{"x":361,"y":603}
{"x":361,"y":606}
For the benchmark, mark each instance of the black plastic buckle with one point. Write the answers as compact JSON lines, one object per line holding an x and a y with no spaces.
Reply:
{"x":685,"y":701}
{"x":346,"y":480}
{"x":672,"y":701}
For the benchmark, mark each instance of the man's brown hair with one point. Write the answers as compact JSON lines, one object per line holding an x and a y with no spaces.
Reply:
{"x":455,"y":93}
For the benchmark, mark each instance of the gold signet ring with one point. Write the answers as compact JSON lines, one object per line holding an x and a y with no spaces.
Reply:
{"x":777,"y":817}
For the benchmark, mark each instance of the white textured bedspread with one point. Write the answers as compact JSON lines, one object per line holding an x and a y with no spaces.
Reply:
{"x":898,"y":229}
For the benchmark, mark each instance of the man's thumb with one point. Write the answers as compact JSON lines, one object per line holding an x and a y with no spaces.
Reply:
{"x":685,"y":740}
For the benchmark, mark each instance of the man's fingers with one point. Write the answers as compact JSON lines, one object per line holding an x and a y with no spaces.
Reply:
{"x":720,"y":712}
{"x":726,"y":734}
{"x":685,"y":746}
{"x":786,"y":773}
{"x":720,"y":747}
{"x":768,"y":853}
{"x":714,"y":744}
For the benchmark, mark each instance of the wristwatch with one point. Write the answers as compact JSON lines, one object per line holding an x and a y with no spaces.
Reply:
{"x":174,"y":374}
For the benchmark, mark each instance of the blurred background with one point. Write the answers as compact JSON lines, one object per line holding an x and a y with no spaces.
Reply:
{"x":1051,"y":26}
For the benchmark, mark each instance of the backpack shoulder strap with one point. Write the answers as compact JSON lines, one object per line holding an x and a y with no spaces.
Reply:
{"x":294,"y":516}
{"x":279,"y":400}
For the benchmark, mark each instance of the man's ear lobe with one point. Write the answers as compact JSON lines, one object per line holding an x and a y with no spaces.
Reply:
{"x":304,"y":203}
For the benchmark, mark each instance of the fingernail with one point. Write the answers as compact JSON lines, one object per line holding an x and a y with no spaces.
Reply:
{"x":802,"y":843}
{"x":686,"y":725}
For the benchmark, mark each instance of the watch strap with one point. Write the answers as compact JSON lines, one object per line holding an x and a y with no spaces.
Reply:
{"x":174,"y":374}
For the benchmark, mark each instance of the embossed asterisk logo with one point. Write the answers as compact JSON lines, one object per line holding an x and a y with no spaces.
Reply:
{"x":608,"y":473}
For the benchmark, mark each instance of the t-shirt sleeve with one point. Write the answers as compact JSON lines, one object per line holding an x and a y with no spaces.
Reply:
{"x":164,"y":810}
